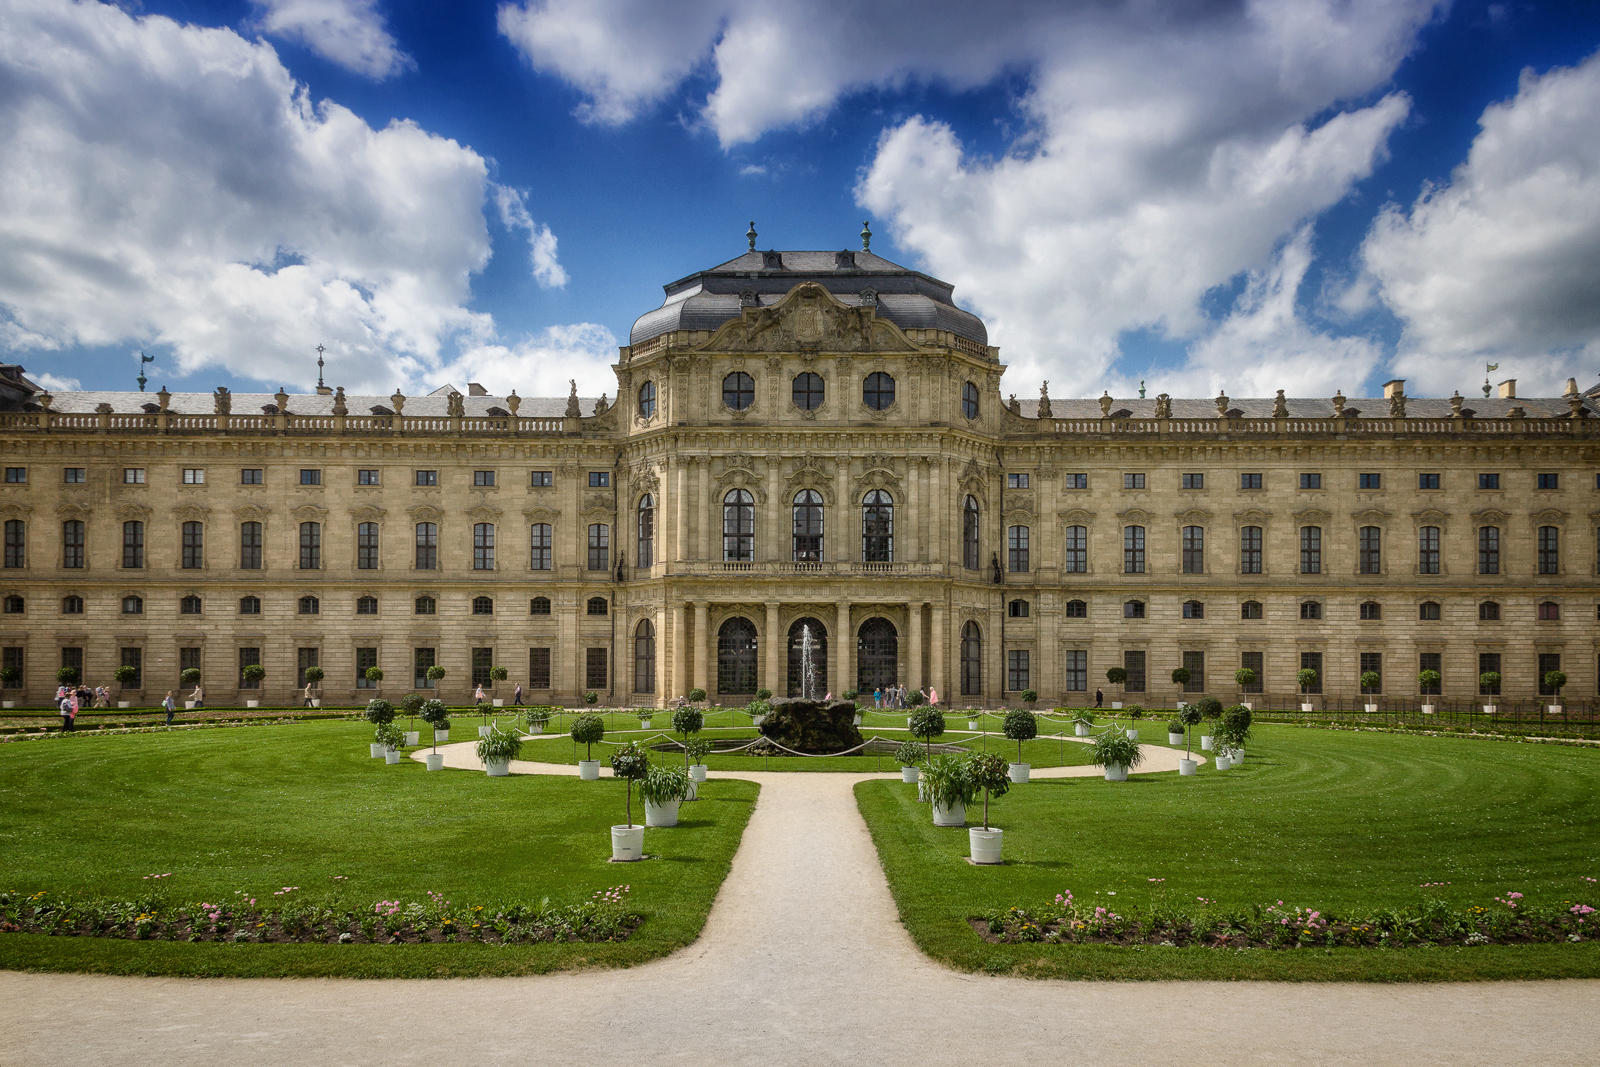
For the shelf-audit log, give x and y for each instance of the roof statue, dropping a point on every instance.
(573, 410)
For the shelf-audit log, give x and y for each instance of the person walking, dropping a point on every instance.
(171, 705)
(198, 696)
(308, 697)
(933, 697)
(1099, 698)
(877, 699)
(65, 706)
(478, 697)
(73, 704)
(516, 696)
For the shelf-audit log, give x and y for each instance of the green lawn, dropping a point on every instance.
(1331, 820)
(265, 807)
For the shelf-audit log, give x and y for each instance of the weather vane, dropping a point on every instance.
(1141, 388)
(320, 350)
(143, 359)
(1488, 369)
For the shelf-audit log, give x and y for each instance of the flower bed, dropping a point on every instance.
(285, 919)
(1507, 921)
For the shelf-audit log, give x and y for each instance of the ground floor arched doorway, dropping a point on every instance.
(877, 655)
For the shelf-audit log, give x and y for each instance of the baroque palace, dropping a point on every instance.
(801, 440)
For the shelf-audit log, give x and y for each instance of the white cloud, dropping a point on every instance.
(542, 365)
(57, 384)
(350, 33)
(513, 205)
(173, 186)
(1502, 264)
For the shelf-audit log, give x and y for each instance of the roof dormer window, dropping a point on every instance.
(772, 261)
(844, 261)
(869, 296)
(749, 299)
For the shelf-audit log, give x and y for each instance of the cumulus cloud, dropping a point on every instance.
(513, 205)
(350, 33)
(57, 384)
(541, 365)
(173, 186)
(1502, 263)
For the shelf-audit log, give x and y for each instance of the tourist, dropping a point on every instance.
(877, 698)
(171, 705)
(479, 697)
(516, 696)
(1099, 698)
(198, 696)
(65, 704)
(933, 697)
(308, 697)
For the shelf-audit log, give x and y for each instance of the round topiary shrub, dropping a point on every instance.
(412, 703)
(763, 694)
(379, 711)
(688, 721)
(926, 724)
(588, 730)
(189, 676)
(1021, 725)
(849, 694)
(696, 695)
(1210, 708)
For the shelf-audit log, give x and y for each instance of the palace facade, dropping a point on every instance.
(802, 440)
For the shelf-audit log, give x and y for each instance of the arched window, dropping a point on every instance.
(1310, 610)
(877, 655)
(1549, 611)
(738, 525)
(1075, 609)
(250, 546)
(970, 524)
(877, 392)
(808, 658)
(426, 605)
(1194, 550)
(1017, 609)
(539, 605)
(249, 605)
(131, 605)
(310, 546)
(647, 400)
(1489, 611)
(482, 605)
(539, 547)
(1428, 611)
(644, 657)
(1133, 550)
(310, 605)
(189, 605)
(1017, 549)
(16, 543)
(1133, 609)
(599, 546)
(73, 533)
(597, 605)
(1250, 550)
(1488, 550)
(877, 527)
(1428, 550)
(1549, 550)
(736, 656)
(644, 553)
(72, 605)
(1310, 550)
(1371, 611)
(1076, 560)
(367, 546)
(15, 605)
(194, 544)
(808, 391)
(1371, 540)
(1250, 609)
(132, 545)
(808, 526)
(738, 390)
(483, 546)
(1194, 609)
(969, 400)
(971, 660)
(366, 605)
(427, 546)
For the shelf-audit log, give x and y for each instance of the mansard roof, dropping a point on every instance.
(1362, 407)
(433, 405)
(908, 298)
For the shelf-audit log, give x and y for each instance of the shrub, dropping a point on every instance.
(412, 703)
(849, 694)
(1210, 708)
(1135, 711)
(1116, 675)
(1086, 716)
(1021, 725)
(663, 785)
(498, 674)
(908, 753)
(631, 764)
(434, 713)
(926, 723)
(1428, 679)
(688, 721)
(590, 698)
(314, 675)
(253, 673)
(538, 715)
(69, 675)
(1306, 677)
(379, 711)
(696, 695)
(1555, 680)
(949, 783)
(499, 745)
(1244, 676)
(1175, 726)
(1181, 676)
(763, 694)
(373, 674)
(697, 749)
(988, 773)
(588, 730)
(1189, 715)
(435, 673)
(1370, 680)
(1029, 696)
(389, 735)
(1116, 748)
(1488, 679)
(125, 673)
(189, 676)
(1235, 726)
(915, 699)
(10, 676)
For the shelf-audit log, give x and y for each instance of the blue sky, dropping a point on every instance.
(1201, 196)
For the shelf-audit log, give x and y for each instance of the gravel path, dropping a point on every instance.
(803, 961)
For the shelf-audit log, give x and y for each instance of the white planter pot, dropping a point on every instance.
(497, 768)
(697, 772)
(1237, 756)
(1553, 709)
(188, 705)
(857, 719)
(391, 755)
(536, 727)
(1116, 772)
(661, 814)
(1427, 709)
(1081, 729)
(8, 703)
(1182, 704)
(1224, 763)
(1372, 709)
(627, 843)
(1133, 735)
(1488, 709)
(124, 703)
(909, 774)
(1116, 703)
(644, 724)
(972, 724)
(922, 791)
(441, 736)
(483, 731)
(411, 738)
(1174, 739)
(1187, 767)
(589, 769)
(376, 750)
(956, 816)
(436, 761)
(316, 702)
(1205, 743)
(252, 703)
(694, 790)
(1305, 707)
(1249, 704)
(757, 720)
(1019, 772)
(984, 845)
(499, 702)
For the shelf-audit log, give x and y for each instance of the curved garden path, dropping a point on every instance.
(803, 961)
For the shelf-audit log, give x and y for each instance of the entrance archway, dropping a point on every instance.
(877, 655)
(736, 656)
(819, 658)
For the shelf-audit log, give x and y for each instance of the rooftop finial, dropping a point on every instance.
(750, 235)
(320, 350)
(866, 236)
(143, 359)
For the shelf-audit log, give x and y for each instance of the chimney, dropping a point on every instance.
(324, 390)
(1394, 388)
(474, 389)
(1508, 389)
(1572, 387)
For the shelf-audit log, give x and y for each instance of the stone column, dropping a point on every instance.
(843, 641)
(910, 549)
(700, 640)
(914, 665)
(774, 645)
(661, 656)
(697, 508)
(680, 650)
(938, 513)
(680, 500)
(994, 653)
(938, 659)
(772, 544)
(841, 546)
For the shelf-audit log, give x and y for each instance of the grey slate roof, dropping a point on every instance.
(312, 404)
(909, 299)
(1366, 407)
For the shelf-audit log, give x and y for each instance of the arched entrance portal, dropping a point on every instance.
(736, 656)
(819, 659)
(877, 653)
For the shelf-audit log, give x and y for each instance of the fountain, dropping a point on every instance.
(808, 672)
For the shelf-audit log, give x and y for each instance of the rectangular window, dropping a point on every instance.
(1427, 481)
(75, 475)
(188, 660)
(366, 477)
(1369, 481)
(1195, 664)
(538, 668)
(1254, 661)
(16, 475)
(1488, 550)
(193, 545)
(1077, 557)
(1016, 481)
(133, 476)
(250, 476)
(540, 540)
(1075, 672)
(1549, 550)
(1548, 661)
(427, 546)
(72, 538)
(1017, 669)
(482, 664)
(1192, 481)
(599, 479)
(1250, 550)
(1133, 481)
(250, 546)
(1430, 661)
(1133, 663)
(1311, 481)
(249, 657)
(1133, 609)
(365, 657)
(132, 545)
(1373, 662)
(1249, 481)
(594, 672)
(1194, 609)
(194, 476)
(543, 479)
(599, 547)
(134, 657)
(1074, 481)
(1133, 550)
(1194, 550)
(1312, 661)
(1549, 481)
(1371, 550)
(310, 546)
(1488, 663)
(1310, 610)
(1549, 611)
(73, 658)
(1429, 611)
(421, 660)
(12, 658)
(1250, 609)
(1017, 551)
(427, 477)
(483, 546)
(1488, 481)
(311, 477)
(1428, 550)
(16, 543)
(483, 479)
(1370, 611)
(1310, 550)
(367, 546)
(304, 658)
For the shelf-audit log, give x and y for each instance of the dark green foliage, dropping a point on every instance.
(1116, 675)
(1021, 725)
(926, 723)
(379, 711)
(763, 693)
(988, 773)
(688, 721)
(588, 730)
(697, 695)
(1210, 708)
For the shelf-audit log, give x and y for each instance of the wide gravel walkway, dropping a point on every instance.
(803, 961)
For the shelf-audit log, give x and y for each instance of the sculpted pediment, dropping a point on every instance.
(541, 514)
(190, 513)
(367, 513)
(739, 461)
(1311, 517)
(1136, 516)
(878, 461)
(1432, 516)
(250, 513)
(1370, 515)
(1252, 515)
(1193, 516)
(424, 513)
(1548, 516)
(1076, 516)
(809, 318)
(310, 513)
(132, 512)
(484, 513)
(1490, 516)
(73, 511)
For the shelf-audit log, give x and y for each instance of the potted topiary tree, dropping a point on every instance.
(987, 772)
(973, 720)
(411, 703)
(498, 750)
(631, 764)
(1555, 680)
(1020, 725)
(126, 675)
(685, 723)
(252, 675)
(1246, 677)
(908, 755)
(389, 738)
(9, 677)
(1210, 709)
(436, 715)
(1427, 680)
(1085, 719)
(1180, 678)
(1489, 680)
(1370, 680)
(591, 699)
(1029, 696)
(951, 789)
(67, 676)
(1234, 729)
(1189, 717)
(663, 789)
(1135, 713)
(1116, 676)
(915, 699)
(925, 724)
(1116, 752)
(498, 675)
(588, 730)
(696, 749)
(190, 677)
(646, 717)
(758, 710)
(1175, 731)
(696, 696)
(380, 713)
(314, 676)
(763, 694)
(1307, 677)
